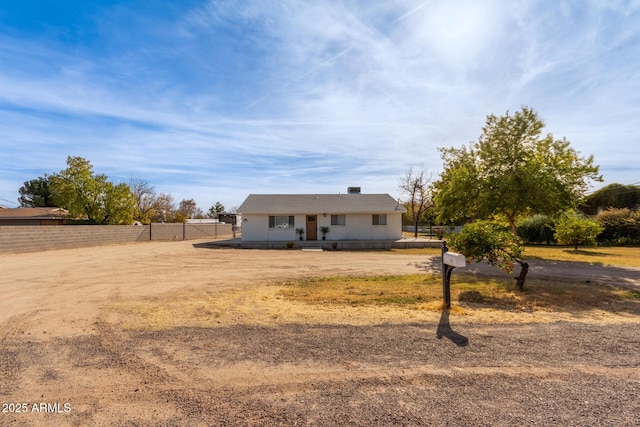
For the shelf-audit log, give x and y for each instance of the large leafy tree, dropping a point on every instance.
(118, 205)
(36, 193)
(416, 185)
(512, 170)
(85, 194)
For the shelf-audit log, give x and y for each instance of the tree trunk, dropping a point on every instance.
(415, 230)
(512, 223)
(523, 274)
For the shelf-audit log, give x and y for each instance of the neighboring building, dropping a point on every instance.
(351, 216)
(32, 216)
(229, 218)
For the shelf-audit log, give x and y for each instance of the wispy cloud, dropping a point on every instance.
(216, 100)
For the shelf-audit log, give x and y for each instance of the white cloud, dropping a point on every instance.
(292, 96)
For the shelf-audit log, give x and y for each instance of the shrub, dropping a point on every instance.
(619, 227)
(536, 229)
(488, 240)
(575, 229)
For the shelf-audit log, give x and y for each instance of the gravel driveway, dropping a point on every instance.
(62, 346)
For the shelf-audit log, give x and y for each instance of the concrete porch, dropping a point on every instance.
(329, 245)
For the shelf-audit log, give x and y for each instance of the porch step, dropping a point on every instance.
(312, 247)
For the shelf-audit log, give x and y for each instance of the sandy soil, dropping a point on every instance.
(71, 352)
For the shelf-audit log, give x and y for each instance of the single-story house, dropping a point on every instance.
(351, 216)
(32, 216)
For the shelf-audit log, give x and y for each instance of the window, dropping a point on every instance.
(281, 221)
(380, 219)
(338, 220)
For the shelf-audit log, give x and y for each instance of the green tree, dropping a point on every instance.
(573, 228)
(119, 204)
(512, 170)
(36, 193)
(85, 194)
(418, 189)
(493, 242)
(490, 241)
(215, 210)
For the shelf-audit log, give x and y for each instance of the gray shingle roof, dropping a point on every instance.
(319, 203)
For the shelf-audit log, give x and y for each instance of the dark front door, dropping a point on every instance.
(312, 227)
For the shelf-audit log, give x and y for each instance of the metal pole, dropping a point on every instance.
(446, 278)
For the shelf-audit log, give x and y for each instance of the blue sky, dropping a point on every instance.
(213, 100)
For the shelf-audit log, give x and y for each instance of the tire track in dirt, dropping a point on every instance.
(376, 375)
(562, 373)
(13, 354)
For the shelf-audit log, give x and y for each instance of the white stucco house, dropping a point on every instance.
(351, 216)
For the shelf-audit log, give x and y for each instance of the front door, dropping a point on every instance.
(312, 227)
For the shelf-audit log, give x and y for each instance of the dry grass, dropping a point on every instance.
(415, 290)
(419, 251)
(382, 299)
(354, 291)
(603, 255)
(262, 305)
(616, 256)
(397, 299)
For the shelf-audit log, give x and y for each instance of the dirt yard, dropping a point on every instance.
(180, 334)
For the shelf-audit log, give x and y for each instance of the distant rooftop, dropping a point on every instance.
(33, 213)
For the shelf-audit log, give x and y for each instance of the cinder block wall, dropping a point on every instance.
(172, 231)
(169, 231)
(46, 237)
(200, 231)
(15, 239)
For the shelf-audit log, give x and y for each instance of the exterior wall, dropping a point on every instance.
(255, 228)
(360, 227)
(336, 232)
(31, 239)
(394, 226)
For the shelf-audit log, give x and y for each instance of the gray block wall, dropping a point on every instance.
(14, 239)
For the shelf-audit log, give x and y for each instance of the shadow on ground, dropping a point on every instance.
(445, 330)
